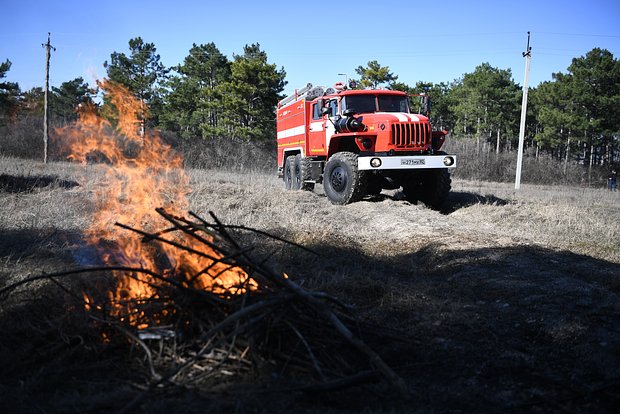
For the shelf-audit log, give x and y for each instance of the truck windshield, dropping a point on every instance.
(361, 104)
(391, 103)
(368, 103)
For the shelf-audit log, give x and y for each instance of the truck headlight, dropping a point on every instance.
(375, 162)
(448, 161)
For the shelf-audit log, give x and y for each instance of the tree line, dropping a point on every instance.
(207, 95)
(573, 117)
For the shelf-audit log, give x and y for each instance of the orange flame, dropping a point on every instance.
(142, 173)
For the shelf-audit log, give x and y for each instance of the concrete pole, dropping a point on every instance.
(47, 47)
(528, 56)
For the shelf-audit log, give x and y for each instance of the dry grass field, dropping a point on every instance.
(504, 302)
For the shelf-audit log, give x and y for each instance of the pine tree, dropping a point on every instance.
(485, 102)
(9, 95)
(581, 106)
(374, 75)
(251, 95)
(66, 99)
(193, 105)
(142, 73)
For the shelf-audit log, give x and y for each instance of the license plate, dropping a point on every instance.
(412, 161)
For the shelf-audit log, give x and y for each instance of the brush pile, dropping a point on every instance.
(264, 326)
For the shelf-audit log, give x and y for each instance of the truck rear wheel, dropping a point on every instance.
(342, 181)
(289, 165)
(296, 172)
(305, 173)
(430, 187)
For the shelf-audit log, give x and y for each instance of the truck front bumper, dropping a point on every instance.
(409, 162)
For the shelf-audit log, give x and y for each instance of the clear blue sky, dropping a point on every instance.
(433, 41)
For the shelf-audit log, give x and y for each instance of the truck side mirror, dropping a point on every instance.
(326, 110)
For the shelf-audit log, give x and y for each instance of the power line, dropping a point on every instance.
(578, 34)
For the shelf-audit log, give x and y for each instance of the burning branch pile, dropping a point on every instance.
(191, 335)
(263, 326)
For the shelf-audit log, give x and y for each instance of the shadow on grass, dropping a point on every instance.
(38, 243)
(21, 184)
(456, 200)
(507, 329)
(510, 329)
(460, 199)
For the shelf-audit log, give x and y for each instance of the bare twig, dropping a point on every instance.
(154, 375)
(222, 226)
(315, 363)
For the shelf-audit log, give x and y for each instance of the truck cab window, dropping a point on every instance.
(316, 111)
(333, 107)
(388, 103)
(362, 104)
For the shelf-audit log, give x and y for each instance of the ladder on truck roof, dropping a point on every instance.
(308, 92)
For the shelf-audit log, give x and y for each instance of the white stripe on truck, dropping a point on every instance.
(291, 132)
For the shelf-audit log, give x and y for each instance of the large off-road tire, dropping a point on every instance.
(305, 173)
(342, 181)
(430, 187)
(288, 171)
(295, 169)
(302, 173)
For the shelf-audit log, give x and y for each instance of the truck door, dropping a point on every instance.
(329, 123)
(316, 131)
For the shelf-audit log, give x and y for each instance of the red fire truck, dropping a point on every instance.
(359, 142)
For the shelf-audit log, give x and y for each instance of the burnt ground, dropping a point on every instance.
(473, 322)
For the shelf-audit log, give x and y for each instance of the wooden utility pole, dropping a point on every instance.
(48, 48)
(528, 56)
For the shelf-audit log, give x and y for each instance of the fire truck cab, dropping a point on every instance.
(358, 142)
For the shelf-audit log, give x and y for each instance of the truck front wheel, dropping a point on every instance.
(342, 181)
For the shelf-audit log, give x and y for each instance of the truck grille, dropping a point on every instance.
(406, 134)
